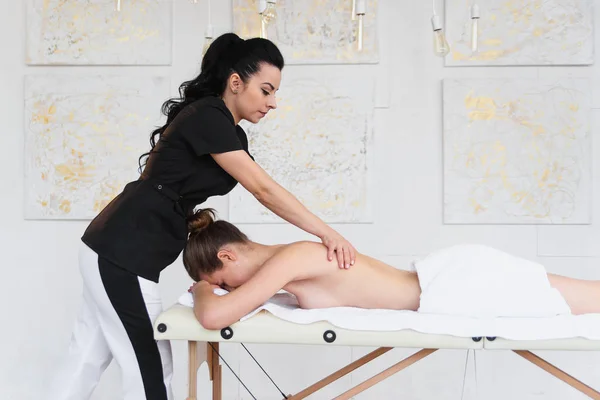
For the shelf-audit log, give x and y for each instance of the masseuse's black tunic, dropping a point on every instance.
(143, 229)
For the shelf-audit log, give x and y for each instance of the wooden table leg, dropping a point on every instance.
(214, 368)
(385, 374)
(339, 373)
(560, 374)
(196, 356)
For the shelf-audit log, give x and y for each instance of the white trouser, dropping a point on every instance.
(115, 322)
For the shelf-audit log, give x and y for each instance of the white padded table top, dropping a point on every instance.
(179, 323)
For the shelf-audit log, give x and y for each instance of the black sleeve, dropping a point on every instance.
(244, 140)
(208, 130)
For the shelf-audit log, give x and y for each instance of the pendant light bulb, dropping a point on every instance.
(474, 28)
(361, 9)
(440, 44)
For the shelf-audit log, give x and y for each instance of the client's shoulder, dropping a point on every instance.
(306, 257)
(301, 250)
(306, 247)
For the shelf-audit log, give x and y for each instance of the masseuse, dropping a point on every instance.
(201, 152)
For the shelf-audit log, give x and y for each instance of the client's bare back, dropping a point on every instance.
(369, 283)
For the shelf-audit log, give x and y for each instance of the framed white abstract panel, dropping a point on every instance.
(517, 151)
(313, 31)
(91, 32)
(83, 138)
(521, 32)
(316, 144)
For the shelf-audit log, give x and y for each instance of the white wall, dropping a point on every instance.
(41, 287)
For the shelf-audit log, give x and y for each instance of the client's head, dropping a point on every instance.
(216, 251)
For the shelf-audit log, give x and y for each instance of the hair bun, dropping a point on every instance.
(201, 220)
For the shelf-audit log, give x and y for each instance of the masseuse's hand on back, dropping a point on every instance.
(269, 193)
(344, 251)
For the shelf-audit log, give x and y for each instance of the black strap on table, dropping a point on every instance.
(238, 378)
(263, 370)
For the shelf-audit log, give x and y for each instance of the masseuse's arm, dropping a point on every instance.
(217, 312)
(276, 198)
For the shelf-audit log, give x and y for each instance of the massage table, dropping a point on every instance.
(179, 323)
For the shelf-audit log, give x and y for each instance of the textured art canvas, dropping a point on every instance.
(313, 31)
(91, 32)
(522, 32)
(83, 137)
(517, 151)
(316, 144)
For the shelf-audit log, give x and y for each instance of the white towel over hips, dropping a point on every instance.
(478, 281)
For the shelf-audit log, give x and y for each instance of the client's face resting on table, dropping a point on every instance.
(220, 254)
(239, 264)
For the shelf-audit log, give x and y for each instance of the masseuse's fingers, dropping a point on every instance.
(333, 248)
(340, 256)
(330, 249)
(347, 258)
(344, 252)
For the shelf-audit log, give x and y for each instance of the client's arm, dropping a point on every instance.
(217, 312)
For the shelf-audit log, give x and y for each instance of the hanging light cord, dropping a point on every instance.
(209, 14)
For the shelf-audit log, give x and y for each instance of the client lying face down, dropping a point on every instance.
(218, 254)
